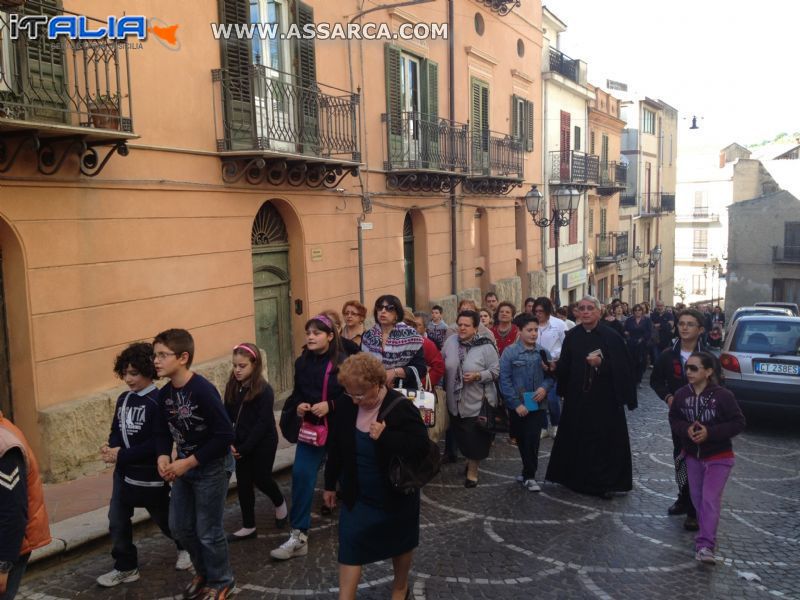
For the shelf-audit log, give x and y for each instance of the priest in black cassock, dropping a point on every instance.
(592, 452)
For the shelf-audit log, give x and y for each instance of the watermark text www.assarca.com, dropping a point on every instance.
(329, 31)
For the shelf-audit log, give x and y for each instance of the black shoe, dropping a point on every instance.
(325, 511)
(195, 588)
(238, 538)
(281, 523)
(678, 508)
(470, 483)
(449, 459)
(690, 524)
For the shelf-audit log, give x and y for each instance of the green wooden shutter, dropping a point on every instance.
(43, 73)
(479, 124)
(515, 132)
(528, 126)
(237, 80)
(307, 96)
(394, 110)
(430, 120)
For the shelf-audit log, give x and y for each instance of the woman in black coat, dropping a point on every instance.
(249, 400)
(376, 523)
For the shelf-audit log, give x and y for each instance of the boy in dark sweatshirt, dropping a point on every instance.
(132, 448)
(194, 415)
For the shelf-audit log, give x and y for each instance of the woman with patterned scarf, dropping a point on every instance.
(397, 345)
(471, 365)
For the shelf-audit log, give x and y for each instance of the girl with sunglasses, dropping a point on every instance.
(705, 416)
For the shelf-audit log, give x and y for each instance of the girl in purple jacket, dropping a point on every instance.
(705, 416)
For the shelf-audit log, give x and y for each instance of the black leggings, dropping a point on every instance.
(255, 471)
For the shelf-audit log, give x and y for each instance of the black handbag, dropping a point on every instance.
(289, 421)
(407, 476)
(492, 419)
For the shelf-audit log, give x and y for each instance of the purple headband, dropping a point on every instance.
(243, 347)
(324, 319)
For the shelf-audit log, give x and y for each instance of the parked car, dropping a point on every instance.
(756, 311)
(761, 361)
(790, 305)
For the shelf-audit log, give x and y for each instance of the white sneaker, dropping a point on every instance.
(296, 545)
(545, 433)
(532, 486)
(114, 577)
(184, 562)
(552, 431)
(706, 555)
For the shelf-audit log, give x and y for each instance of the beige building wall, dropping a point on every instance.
(159, 240)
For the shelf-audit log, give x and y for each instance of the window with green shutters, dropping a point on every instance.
(522, 121)
(479, 124)
(604, 150)
(306, 71)
(41, 63)
(236, 61)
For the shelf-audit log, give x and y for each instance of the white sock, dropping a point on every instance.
(244, 531)
(281, 511)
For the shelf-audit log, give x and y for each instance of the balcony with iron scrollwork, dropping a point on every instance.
(501, 7)
(611, 247)
(564, 65)
(62, 102)
(424, 153)
(496, 163)
(573, 168)
(274, 129)
(612, 179)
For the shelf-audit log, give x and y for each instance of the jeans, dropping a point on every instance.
(195, 519)
(121, 529)
(307, 460)
(707, 479)
(15, 577)
(255, 471)
(553, 409)
(528, 428)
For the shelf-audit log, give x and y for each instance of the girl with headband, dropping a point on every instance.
(314, 398)
(249, 400)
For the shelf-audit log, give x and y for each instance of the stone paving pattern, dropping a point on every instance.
(500, 541)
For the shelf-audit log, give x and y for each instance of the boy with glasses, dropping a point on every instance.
(668, 376)
(194, 418)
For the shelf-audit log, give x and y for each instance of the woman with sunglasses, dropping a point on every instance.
(397, 345)
(705, 416)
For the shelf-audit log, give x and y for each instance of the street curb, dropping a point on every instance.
(77, 531)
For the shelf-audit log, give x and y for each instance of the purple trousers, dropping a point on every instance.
(707, 479)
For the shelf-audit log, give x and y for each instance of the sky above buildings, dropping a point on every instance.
(731, 63)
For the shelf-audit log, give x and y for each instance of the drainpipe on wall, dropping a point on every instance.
(451, 77)
(546, 186)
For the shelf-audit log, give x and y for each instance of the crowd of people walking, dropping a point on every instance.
(568, 373)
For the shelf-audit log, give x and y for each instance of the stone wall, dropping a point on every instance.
(537, 284)
(73, 432)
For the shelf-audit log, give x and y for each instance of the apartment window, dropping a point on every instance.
(591, 142)
(603, 220)
(700, 204)
(700, 245)
(591, 221)
(791, 240)
(577, 138)
(603, 150)
(573, 227)
(648, 121)
(522, 121)
(698, 284)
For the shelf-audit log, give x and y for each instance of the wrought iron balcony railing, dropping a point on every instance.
(418, 142)
(268, 110)
(667, 203)
(573, 167)
(627, 200)
(786, 254)
(698, 216)
(613, 174)
(563, 64)
(611, 246)
(63, 82)
(495, 154)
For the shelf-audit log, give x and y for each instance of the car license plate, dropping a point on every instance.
(777, 368)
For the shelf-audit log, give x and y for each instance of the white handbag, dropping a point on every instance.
(422, 397)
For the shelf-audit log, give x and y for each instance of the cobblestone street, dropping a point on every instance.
(500, 541)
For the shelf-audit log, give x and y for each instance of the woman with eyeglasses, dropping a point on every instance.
(472, 366)
(376, 523)
(354, 314)
(398, 346)
(316, 395)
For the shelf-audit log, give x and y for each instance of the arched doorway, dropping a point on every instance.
(5, 365)
(408, 261)
(271, 289)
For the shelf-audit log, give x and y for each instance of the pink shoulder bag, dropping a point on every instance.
(317, 434)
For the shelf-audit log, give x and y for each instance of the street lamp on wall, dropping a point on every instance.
(564, 201)
(653, 256)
